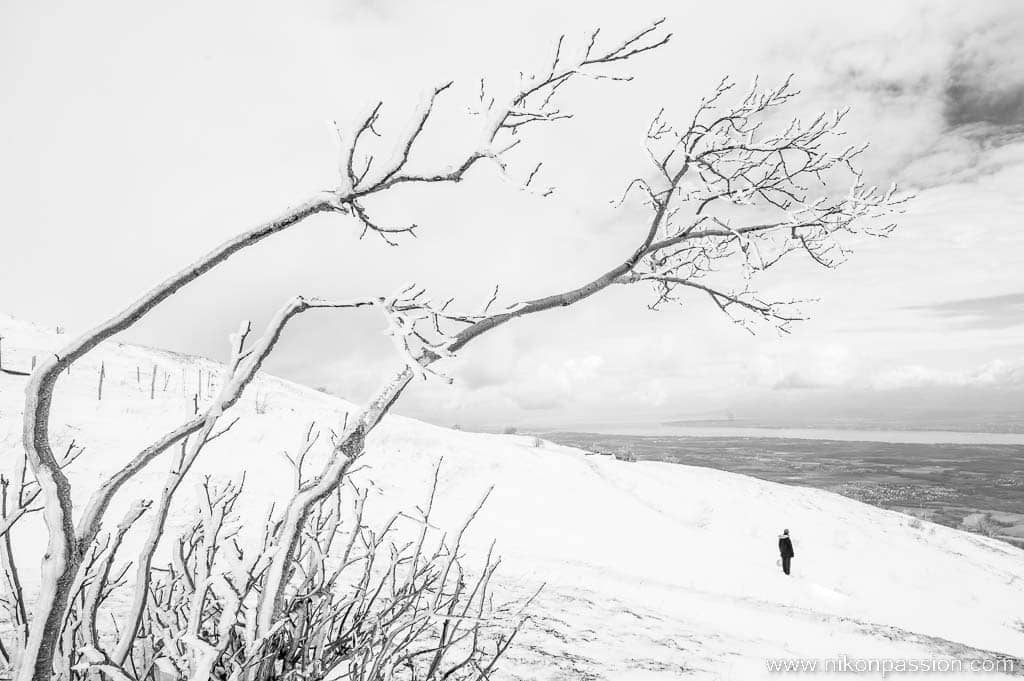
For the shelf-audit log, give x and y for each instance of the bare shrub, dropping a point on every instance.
(986, 526)
(360, 603)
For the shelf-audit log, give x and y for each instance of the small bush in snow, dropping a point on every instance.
(360, 604)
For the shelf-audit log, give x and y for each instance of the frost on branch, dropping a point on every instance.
(739, 189)
(420, 331)
(502, 121)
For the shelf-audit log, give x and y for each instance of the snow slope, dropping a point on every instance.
(653, 571)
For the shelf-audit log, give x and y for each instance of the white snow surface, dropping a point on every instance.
(654, 571)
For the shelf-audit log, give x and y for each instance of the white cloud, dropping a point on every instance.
(257, 143)
(820, 367)
(835, 368)
(998, 374)
(548, 386)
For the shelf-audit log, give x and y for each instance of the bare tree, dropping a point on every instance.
(727, 163)
(731, 193)
(362, 177)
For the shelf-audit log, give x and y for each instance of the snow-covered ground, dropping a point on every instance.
(654, 571)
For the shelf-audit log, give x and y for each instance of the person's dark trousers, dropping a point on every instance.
(785, 564)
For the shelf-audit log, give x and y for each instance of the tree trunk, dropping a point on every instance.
(63, 553)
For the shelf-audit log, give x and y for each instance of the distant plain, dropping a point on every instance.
(977, 487)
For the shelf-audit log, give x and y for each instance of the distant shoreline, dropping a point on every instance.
(824, 434)
(1007, 425)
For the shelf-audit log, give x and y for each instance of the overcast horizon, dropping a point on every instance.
(136, 138)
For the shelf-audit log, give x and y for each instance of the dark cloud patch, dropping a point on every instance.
(990, 312)
(970, 99)
(984, 86)
(889, 88)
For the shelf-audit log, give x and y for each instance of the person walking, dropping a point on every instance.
(786, 549)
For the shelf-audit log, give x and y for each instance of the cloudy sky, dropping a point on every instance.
(135, 135)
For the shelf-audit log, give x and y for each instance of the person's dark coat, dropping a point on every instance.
(786, 546)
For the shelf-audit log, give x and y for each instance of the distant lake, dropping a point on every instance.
(838, 434)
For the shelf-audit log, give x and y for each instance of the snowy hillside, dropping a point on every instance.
(654, 571)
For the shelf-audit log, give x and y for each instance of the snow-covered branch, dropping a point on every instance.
(734, 162)
(503, 120)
